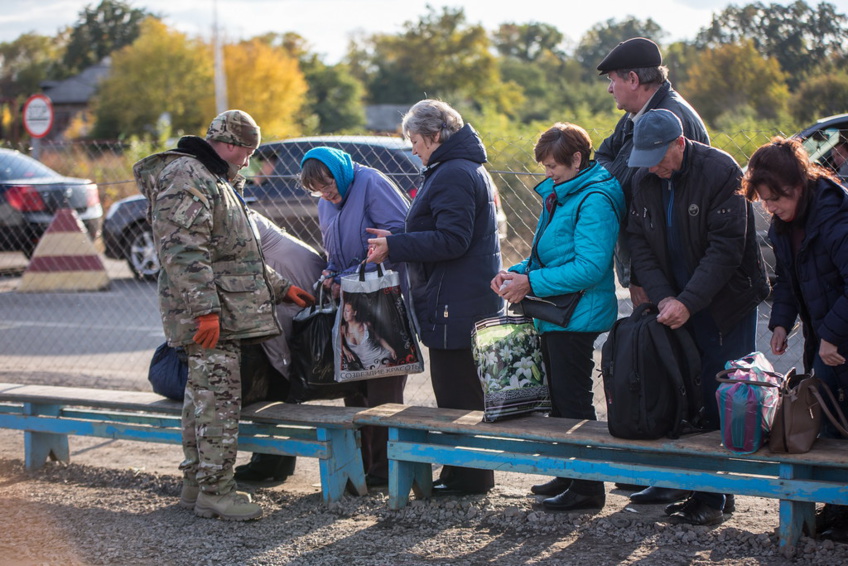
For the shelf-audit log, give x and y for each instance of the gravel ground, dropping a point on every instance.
(116, 505)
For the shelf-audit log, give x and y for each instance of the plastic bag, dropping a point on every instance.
(168, 372)
(373, 334)
(747, 399)
(312, 340)
(508, 354)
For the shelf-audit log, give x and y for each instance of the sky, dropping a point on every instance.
(328, 25)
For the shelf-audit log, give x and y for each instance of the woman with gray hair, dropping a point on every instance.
(451, 247)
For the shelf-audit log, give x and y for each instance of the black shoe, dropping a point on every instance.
(697, 512)
(569, 501)
(836, 533)
(553, 487)
(265, 467)
(659, 495)
(375, 481)
(631, 487)
(729, 505)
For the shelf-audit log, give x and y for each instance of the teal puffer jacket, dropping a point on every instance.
(574, 251)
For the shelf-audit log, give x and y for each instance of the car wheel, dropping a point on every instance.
(141, 252)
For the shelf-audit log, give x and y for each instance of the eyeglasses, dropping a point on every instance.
(321, 190)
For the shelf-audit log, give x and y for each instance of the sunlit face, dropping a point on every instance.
(672, 160)
(238, 155)
(423, 146)
(623, 90)
(560, 172)
(784, 207)
(327, 190)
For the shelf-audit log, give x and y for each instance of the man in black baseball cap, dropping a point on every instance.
(703, 268)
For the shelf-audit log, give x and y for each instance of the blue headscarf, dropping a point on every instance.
(337, 161)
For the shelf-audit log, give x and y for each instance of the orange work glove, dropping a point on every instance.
(299, 297)
(208, 330)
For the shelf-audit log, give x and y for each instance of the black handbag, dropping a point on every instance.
(556, 309)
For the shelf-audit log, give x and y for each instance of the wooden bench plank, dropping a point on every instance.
(49, 414)
(827, 452)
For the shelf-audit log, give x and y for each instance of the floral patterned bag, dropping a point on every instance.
(508, 354)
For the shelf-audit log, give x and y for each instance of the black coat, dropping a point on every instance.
(814, 285)
(716, 226)
(451, 243)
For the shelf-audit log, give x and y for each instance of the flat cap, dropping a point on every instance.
(235, 127)
(634, 53)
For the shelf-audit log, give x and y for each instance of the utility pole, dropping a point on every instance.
(221, 103)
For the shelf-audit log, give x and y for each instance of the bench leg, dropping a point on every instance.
(344, 464)
(796, 517)
(39, 446)
(407, 476)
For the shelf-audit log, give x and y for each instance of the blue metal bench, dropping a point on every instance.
(49, 414)
(421, 436)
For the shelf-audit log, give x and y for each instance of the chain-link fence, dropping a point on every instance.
(111, 334)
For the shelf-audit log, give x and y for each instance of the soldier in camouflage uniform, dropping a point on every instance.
(215, 291)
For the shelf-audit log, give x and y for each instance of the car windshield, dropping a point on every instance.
(14, 166)
(820, 142)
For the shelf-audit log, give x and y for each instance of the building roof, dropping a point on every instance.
(80, 88)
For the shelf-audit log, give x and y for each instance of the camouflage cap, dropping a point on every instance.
(235, 127)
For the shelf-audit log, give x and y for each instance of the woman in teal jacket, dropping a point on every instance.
(572, 251)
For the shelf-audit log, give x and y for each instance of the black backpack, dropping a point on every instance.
(652, 378)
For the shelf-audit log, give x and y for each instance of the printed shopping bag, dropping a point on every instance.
(508, 354)
(747, 399)
(373, 334)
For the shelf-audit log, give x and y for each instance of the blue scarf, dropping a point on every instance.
(337, 161)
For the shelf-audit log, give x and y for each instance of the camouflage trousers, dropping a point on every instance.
(210, 417)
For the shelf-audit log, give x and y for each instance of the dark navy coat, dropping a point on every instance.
(813, 286)
(451, 243)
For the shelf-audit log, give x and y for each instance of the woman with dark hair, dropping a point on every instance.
(450, 243)
(809, 233)
(572, 251)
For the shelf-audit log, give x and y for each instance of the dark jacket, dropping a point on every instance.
(615, 150)
(813, 285)
(451, 243)
(716, 227)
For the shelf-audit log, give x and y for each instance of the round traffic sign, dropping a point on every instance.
(38, 115)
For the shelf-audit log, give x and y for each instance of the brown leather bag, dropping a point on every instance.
(799, 414)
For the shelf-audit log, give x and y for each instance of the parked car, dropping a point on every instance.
(819, 140)
(30, 195)
(273, 189)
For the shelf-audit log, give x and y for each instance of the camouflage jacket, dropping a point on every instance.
(209, 249)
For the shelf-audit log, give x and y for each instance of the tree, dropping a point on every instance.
(26, 62)
(730, 78)
(140, 89)
(334, 99)
(267, 83)
(599, 40)
(821, 96)
(100, 31)
(440, 56)
(528, 42)
(797, 35)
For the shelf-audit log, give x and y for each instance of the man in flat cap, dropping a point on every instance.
(694, 246)
(639, 82)
(215, 290)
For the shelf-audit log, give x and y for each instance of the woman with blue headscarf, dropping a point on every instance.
(355, 197)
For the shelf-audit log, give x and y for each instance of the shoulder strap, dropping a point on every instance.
(534, 252)
(839, 422)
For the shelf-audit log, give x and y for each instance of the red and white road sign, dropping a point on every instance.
(38, 115)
